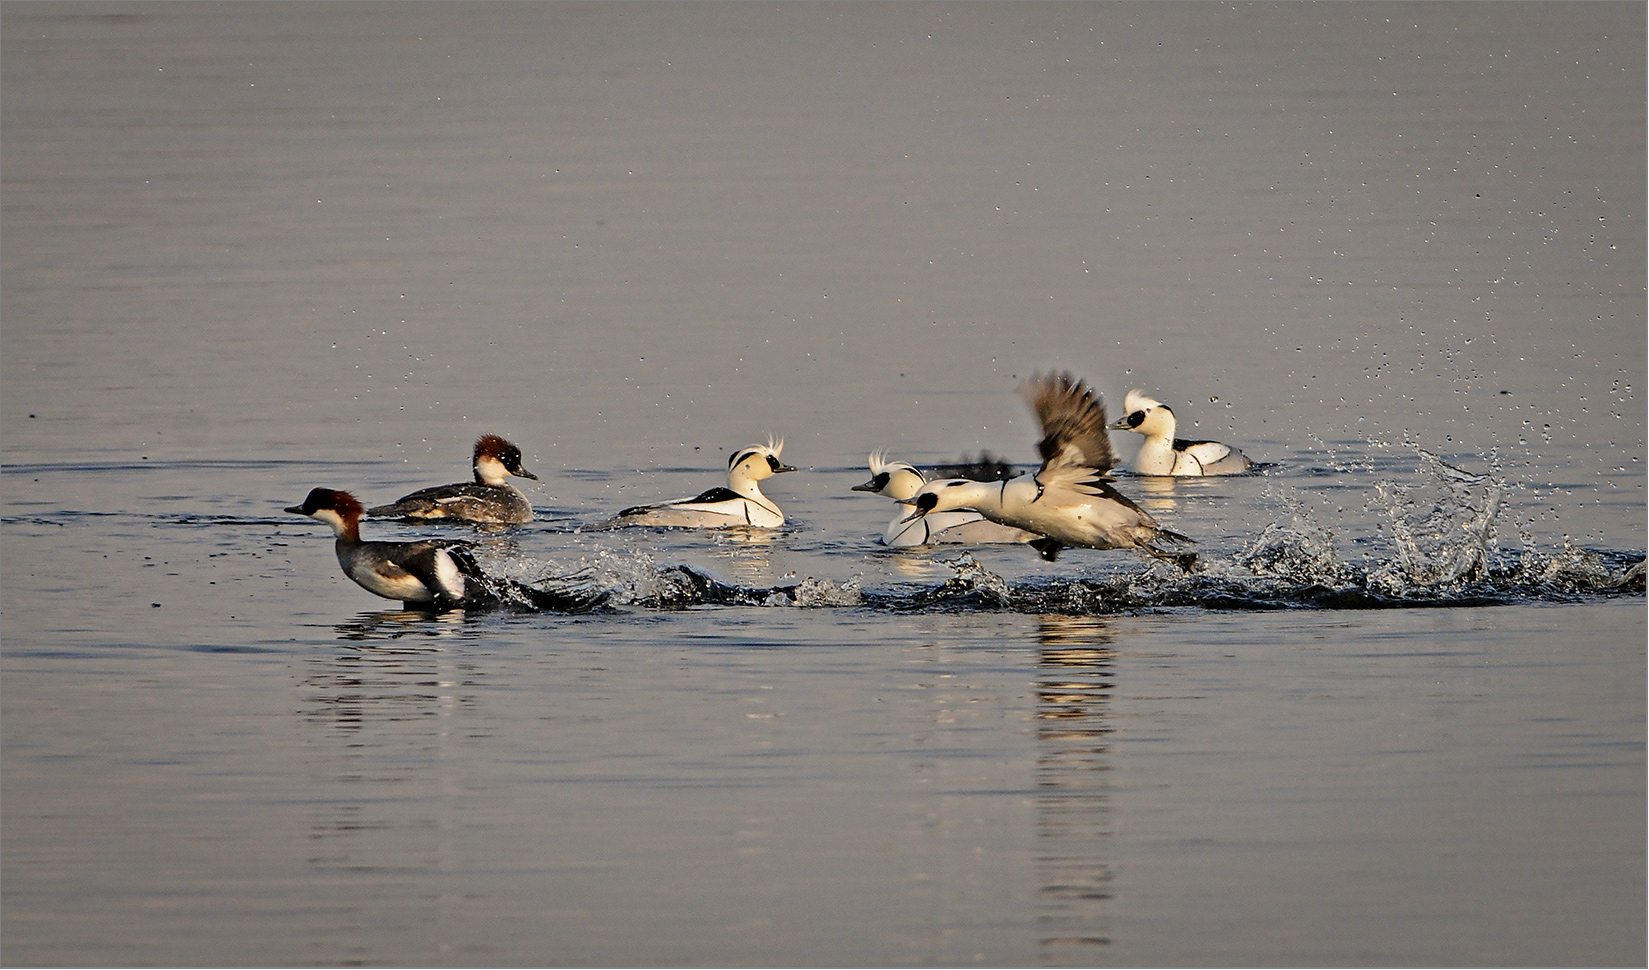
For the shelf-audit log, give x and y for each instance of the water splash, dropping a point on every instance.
(1442, 526)
(1439, 549)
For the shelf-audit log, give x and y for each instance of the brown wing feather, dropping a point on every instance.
(1072, 417)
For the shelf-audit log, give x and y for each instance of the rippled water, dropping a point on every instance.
(1396, 253)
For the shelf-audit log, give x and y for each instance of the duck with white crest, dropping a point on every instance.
(1164, 454)
(490, 499)
(1068, 501)
(739, 503)
(899, 480)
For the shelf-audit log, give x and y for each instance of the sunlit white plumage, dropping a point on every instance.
(898, 480)
(416, 573)
(1163, 454)
(489, 499)
(739, 503)
(1067, 501)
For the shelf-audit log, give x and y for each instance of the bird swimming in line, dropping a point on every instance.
(738, 503)
(1164, 454)
(1067, 501)
(898, 480)
(490, 499)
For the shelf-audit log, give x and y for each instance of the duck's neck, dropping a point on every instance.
(348, 530)
(490, 471)
(747, 487)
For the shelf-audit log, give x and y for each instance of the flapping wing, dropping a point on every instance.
(1073, 422)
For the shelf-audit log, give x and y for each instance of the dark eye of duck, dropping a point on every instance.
(1136, 419)
(881, 480)
(926, 501)
(772, 463)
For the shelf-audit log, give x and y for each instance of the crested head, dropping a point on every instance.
(896, 479)
(773, 447)
(343, 503)
(492, 451)
(757, 461)
(1137, 401)
(1145, 415)
(341, 510)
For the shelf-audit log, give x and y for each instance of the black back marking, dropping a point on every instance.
(720, 493)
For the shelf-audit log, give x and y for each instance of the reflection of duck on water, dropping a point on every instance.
(1074, 684)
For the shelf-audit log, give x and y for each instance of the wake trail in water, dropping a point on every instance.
(1440, 550)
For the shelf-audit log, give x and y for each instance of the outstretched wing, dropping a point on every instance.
(1073, 422)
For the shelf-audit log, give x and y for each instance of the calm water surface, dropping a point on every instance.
(1394, 252)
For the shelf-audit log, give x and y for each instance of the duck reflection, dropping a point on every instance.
(1154, 493)
(380, 715)
(750, 554)
(1074, 685)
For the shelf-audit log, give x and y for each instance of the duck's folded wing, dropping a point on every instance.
(444, 569)
(435, 499)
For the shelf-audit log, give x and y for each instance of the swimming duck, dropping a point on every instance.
(898, 480)
(1164, 454)
(489, 499)
(442, 574)
(739, 503)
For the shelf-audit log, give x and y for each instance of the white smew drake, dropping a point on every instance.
(1067, 501)
(1164, 454)
(898, 480)
(739, 503)
(488, 499)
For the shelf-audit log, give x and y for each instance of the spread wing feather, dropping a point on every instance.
(1073, 422)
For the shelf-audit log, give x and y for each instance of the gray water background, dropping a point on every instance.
(250, 249)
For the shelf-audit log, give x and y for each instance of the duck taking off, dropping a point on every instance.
(1164, 454)
(739, 503)
(489, 499)
(898, 480)
(1067, 501)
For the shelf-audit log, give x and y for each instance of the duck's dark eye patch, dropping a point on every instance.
(926, 501)
(881, 480)
(1136, 419)
(772, 463)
